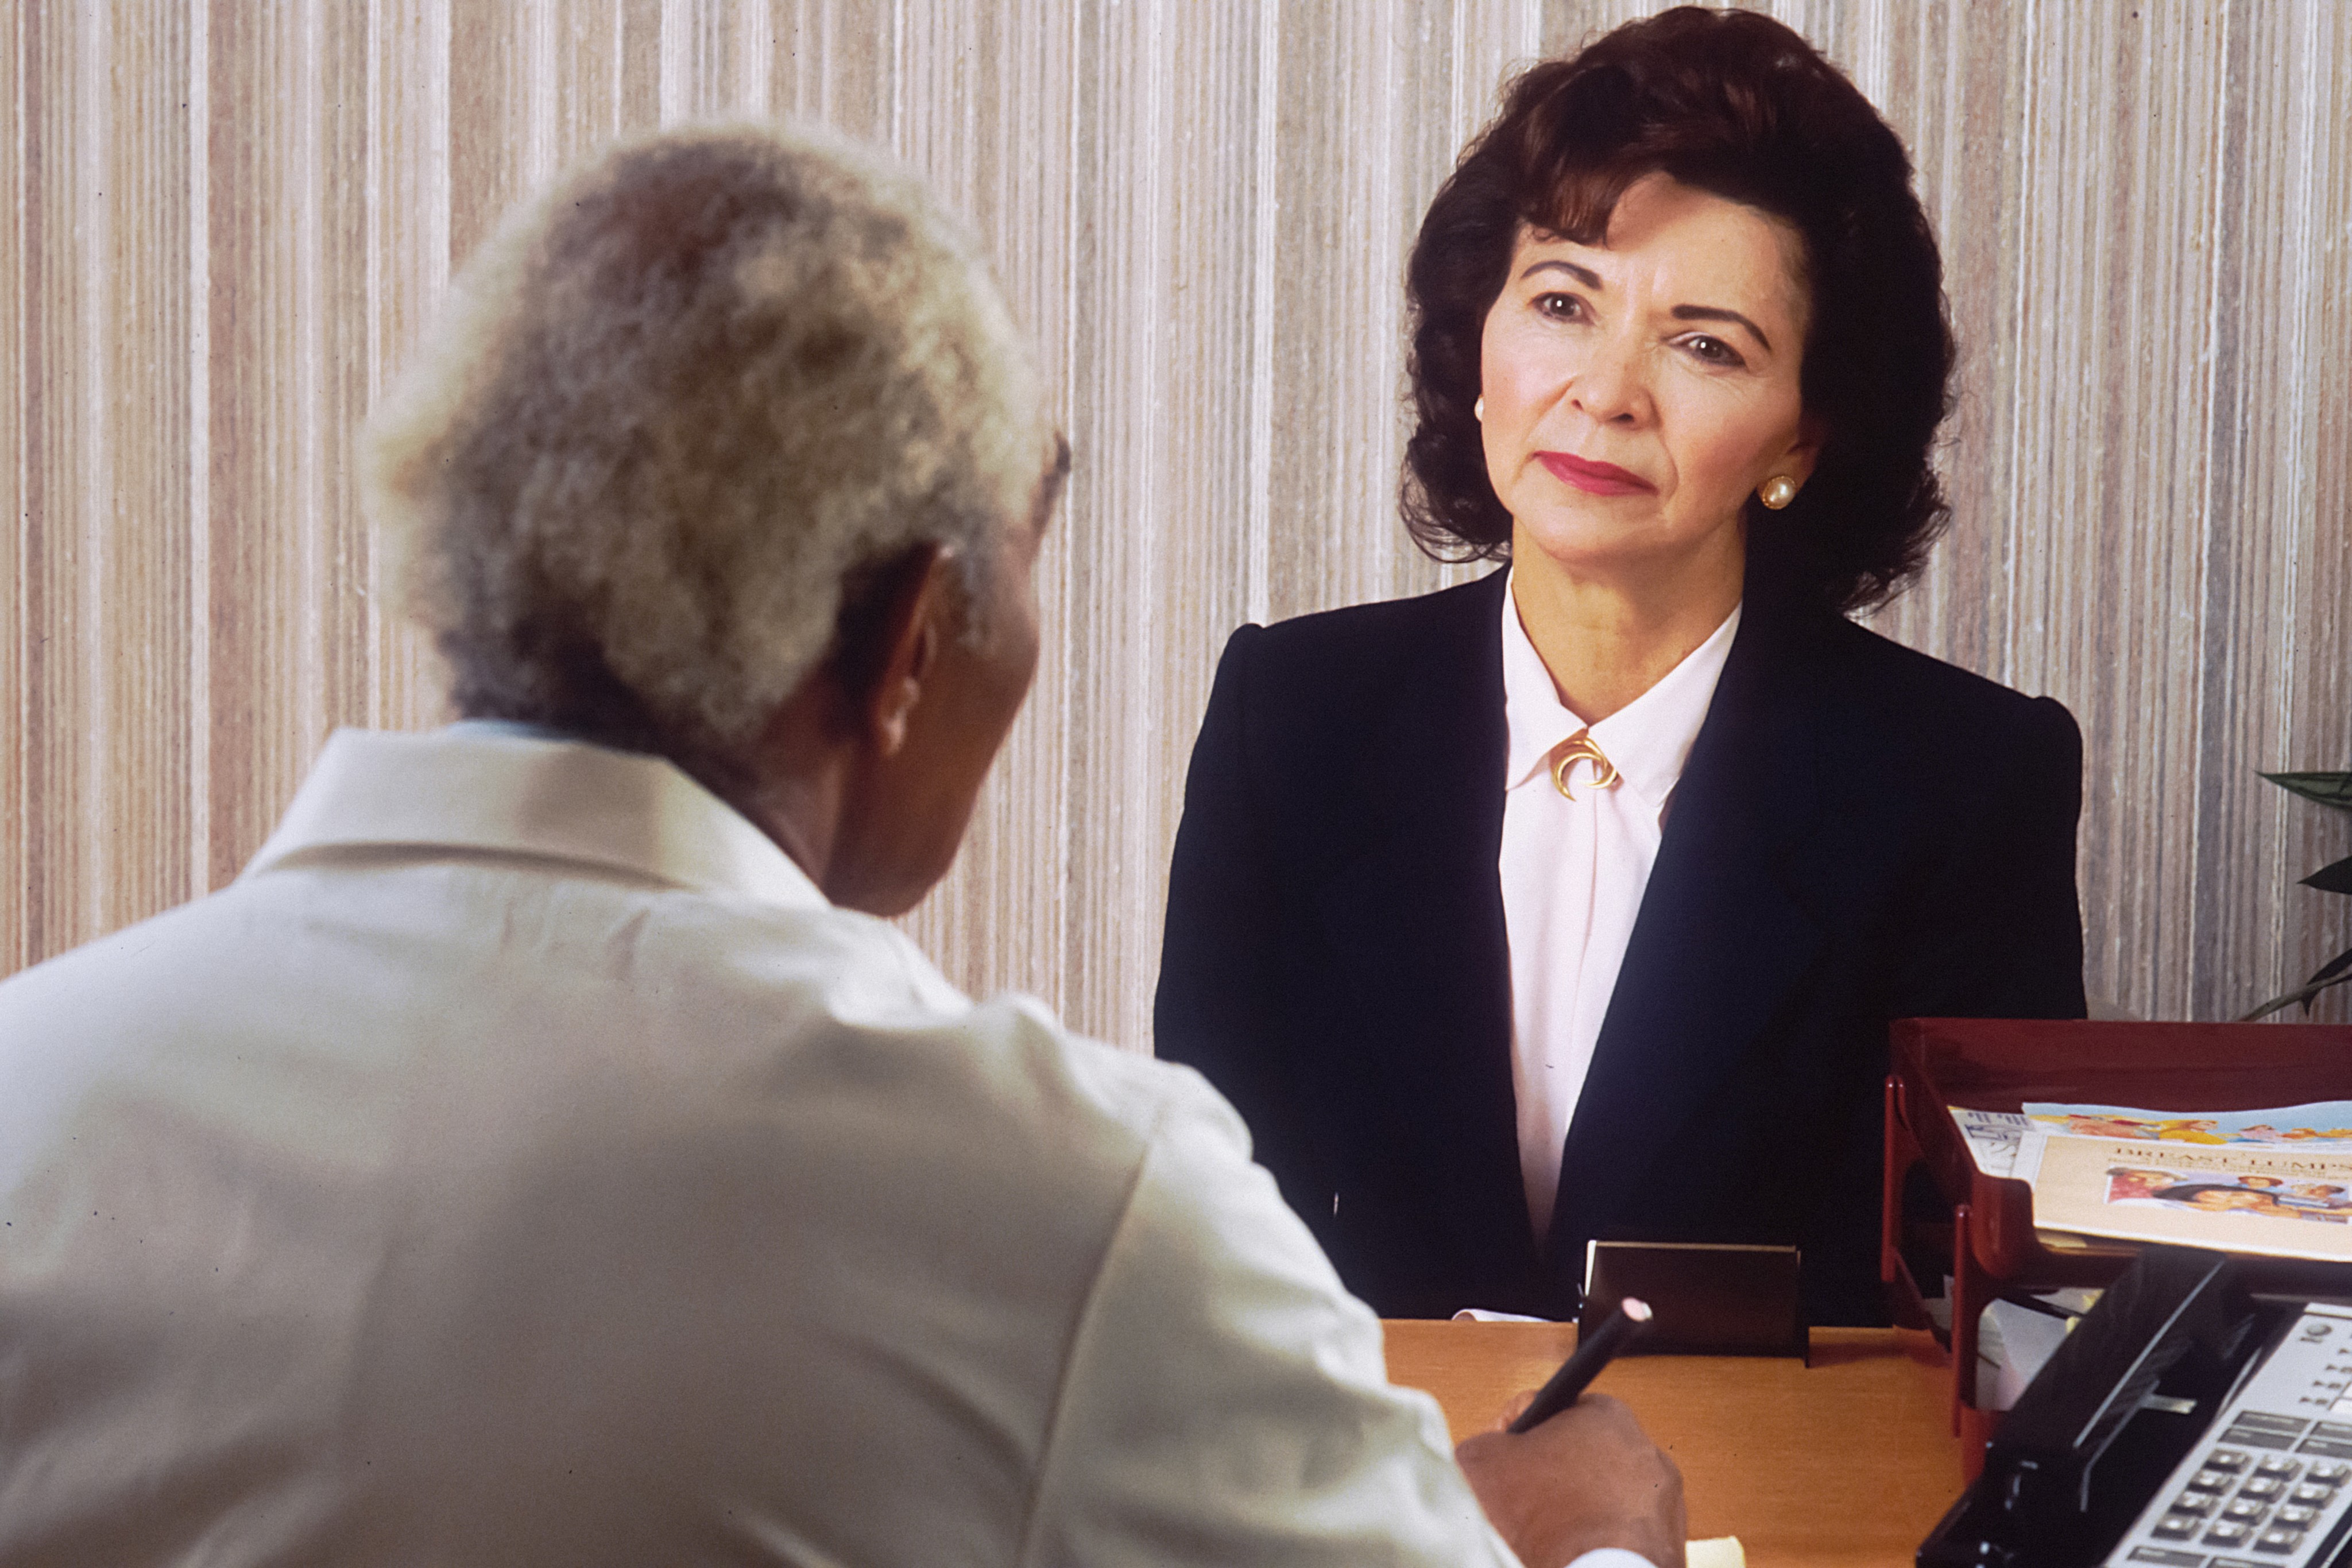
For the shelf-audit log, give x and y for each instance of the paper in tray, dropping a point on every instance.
(2241, 1197)
(1993, 1137)
(2322, 1124)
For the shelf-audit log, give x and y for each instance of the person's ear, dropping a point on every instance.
(1804, 452)
(918, 619)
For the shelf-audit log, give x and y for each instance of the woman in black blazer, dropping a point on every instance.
(1679, 354)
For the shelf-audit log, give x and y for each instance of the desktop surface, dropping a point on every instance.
(1847, 1463)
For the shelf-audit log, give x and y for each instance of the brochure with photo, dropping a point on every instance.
(2282, 1201)
(2323, 1124)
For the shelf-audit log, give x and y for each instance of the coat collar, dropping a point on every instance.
(488, 790)
(1414, 915)
(1727, 925)
(1647, 741)
(1433, 779)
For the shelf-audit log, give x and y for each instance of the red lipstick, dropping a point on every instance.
(1593, 479)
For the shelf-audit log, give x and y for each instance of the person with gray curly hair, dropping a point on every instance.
(542, 1155)
(693, 415)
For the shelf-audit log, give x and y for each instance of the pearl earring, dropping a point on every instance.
(1478, 408)
(1778, 491)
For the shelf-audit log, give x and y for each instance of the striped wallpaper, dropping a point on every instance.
(223, 223)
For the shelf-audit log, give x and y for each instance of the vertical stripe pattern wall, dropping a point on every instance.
(226, 224)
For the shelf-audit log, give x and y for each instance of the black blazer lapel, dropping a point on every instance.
(1724, 930)
(1415, 922)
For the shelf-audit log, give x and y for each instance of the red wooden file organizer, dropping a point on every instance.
(1998, 1065)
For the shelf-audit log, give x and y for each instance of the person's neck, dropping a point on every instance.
(788, 782)
(801, 814)
(1606, 640)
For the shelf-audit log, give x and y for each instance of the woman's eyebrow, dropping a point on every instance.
(1584, 275)
(1592, 279)
(1710, 313)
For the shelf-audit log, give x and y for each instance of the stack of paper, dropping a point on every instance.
(2275, 1181)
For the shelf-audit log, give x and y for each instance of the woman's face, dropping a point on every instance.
(1639, 390)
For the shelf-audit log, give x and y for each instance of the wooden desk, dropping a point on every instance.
(1845, 1464)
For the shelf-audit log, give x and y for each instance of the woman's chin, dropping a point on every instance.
(1598, 554)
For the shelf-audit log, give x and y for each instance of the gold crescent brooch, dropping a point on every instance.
(1578, 747)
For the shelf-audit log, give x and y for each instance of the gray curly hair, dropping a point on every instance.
(678, 401)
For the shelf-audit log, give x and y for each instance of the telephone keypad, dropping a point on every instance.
(2272, 1490)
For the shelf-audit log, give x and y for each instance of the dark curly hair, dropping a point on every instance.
(1733, 103)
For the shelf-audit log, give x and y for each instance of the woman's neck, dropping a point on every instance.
(1607, 641)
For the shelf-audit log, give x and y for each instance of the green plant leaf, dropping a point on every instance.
(2337, 878)
(2337, 971)
(2327, 789)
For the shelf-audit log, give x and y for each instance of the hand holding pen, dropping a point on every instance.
(1625, 1491)
(1593, 1351)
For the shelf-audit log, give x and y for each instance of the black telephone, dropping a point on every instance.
(2184, 1423)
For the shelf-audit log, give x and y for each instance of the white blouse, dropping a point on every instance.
(1573, 872)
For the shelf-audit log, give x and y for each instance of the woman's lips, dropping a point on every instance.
(1593, 479)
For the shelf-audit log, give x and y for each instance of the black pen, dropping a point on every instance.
(1592, 1353)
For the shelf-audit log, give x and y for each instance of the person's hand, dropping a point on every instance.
(1586, 1479)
